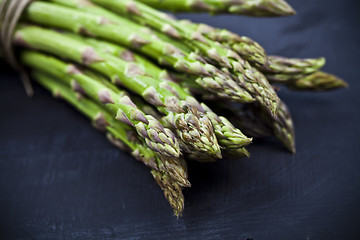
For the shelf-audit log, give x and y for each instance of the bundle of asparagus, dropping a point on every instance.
(141, 76)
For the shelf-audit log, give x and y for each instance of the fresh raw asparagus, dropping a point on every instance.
(94, 74)
(190, 125)
(258, 8)
(121, 136)
(137, 37)
(247, 77)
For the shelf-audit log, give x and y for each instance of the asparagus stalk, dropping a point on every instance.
(228, 136)
(255, 8)
(283, 65)
(132, 35)
(316, 82)
(189, 124)
(121, 136)
(247, 77)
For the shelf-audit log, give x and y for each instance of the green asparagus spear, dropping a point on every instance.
(255, 8)
(121, 136)
(317, 82)
(247, 77)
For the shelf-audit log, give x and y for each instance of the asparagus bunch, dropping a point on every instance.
(191, 126)
(260, 8)
(136, 73)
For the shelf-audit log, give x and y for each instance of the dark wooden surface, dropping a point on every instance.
(60, 179)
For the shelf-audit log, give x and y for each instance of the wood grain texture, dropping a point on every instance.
(60, 179)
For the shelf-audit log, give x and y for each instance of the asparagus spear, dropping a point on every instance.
(317, 81)
(127, 33)
(283, 65)
(188, 122)
(228, 136)
(121, 136)
(247, 77)
(259, 8)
